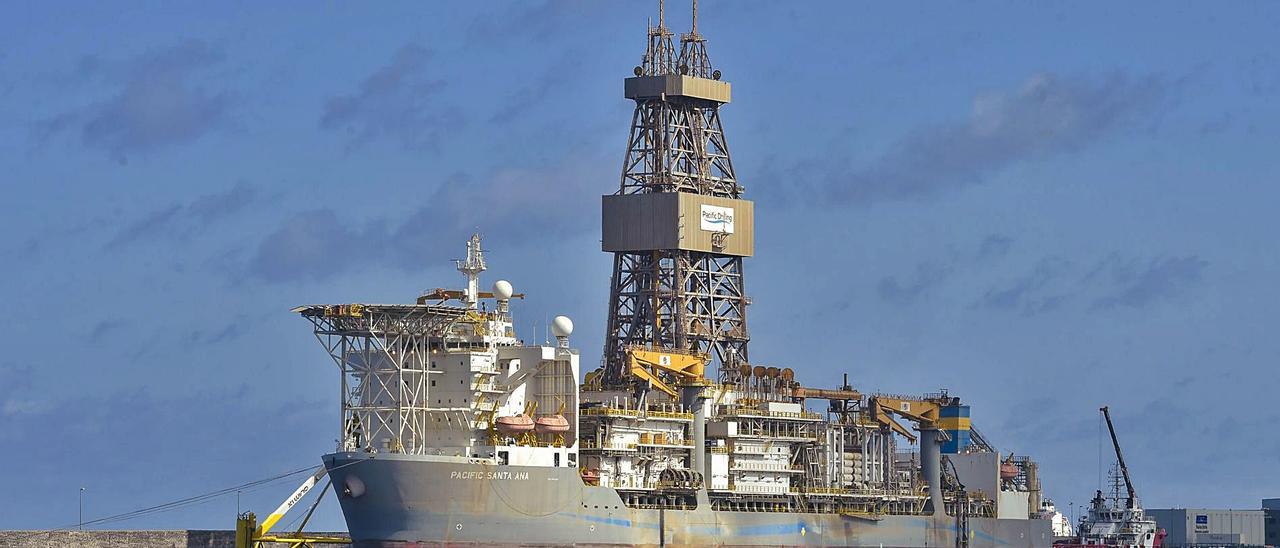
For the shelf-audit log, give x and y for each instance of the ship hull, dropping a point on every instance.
(416, 501)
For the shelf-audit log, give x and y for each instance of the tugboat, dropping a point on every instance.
(1108, 524)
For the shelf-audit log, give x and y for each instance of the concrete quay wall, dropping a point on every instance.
(124, 539)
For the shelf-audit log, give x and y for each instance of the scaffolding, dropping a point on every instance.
(383, 353)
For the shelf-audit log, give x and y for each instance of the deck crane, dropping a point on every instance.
(925, 412)
(663, 369)
(1124, 470)
(249, 534)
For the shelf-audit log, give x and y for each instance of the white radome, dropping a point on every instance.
(502, 289)
(562, 326)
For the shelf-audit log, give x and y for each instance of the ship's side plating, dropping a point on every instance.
(402, 500)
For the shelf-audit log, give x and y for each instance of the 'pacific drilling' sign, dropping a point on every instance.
(717, 219)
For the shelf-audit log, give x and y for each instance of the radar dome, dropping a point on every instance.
(562, 326)
(502, 289)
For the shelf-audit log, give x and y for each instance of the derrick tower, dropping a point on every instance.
(678, 227)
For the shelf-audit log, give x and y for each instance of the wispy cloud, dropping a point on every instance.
(994, 246)
(1139, 285)
(183, 218)
(158, 101)
(106, 327)
(524, 99)
(1046, 115)
(907, 289)
(1114, 281)
(150, 224)
(314, 245)
(399, 101)
(1026, 292)
(539, 21)
(519, 203)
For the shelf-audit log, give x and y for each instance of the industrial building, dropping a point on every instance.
(1203, 527)
(1271, 519)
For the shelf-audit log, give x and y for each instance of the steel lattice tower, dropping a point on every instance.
(677, 225)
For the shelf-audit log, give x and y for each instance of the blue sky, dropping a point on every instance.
(1041, 207)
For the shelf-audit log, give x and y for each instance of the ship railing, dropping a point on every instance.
(669, 415)
(669, 443)
(611, 412)
(614, 446)
(635, 413)
(764, 467)
(761, 413)
(820, 491)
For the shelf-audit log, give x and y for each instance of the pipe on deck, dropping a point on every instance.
(931, 466)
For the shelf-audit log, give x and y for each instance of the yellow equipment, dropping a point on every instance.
(251, 535)
(662, 369)
(922, 411)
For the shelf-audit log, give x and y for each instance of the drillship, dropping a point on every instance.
(455, 431)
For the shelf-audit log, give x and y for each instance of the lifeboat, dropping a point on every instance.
(551, 424)
(590, 476)
(1008, 471)
(517, 424)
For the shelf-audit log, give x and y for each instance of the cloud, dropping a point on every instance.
(397, 101)
(105, 428)
(104, 328)
(158, 102)
(1046, 115)
(181, 219)
(994, 246)
(516, 204)
(1138, 286)
(229, 332)
(213, 207)
(524, 99)
(926, 276)
(149, 225)
(1113, 281)
(538, 22)
(15, 391)
(314, 245)
(1025, 292)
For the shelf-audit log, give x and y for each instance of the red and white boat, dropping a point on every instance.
(1111, 524)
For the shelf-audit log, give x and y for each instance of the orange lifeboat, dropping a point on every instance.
(517, 424)
(1008, 471)
(551, 424)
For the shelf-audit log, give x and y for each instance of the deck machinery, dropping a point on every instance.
(455, 430)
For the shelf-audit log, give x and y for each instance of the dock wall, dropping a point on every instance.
(124, 539)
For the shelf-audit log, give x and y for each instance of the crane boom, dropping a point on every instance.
(1124, 470)
(288, 503)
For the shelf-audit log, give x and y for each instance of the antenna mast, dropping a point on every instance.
(471, 267)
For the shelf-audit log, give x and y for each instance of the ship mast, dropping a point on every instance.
(1124, 470)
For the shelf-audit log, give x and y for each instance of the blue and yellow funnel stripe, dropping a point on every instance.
(954, 420)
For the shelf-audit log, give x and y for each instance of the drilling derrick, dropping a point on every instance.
(678, 227)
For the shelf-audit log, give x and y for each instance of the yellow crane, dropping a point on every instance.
(922, 411)
(249, 534)
(662, 369)
(925, 412)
